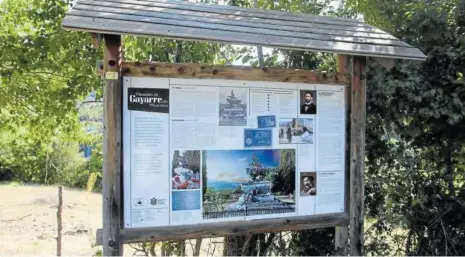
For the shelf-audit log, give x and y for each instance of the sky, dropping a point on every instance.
(230, 165)
(269, 50)
(306, 122)
(239, 93)
(284, 122)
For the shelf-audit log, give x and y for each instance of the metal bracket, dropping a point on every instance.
(111, 75)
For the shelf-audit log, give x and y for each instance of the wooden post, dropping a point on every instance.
(341, 239)
(59, 219)
(112, 97)
(357, 155)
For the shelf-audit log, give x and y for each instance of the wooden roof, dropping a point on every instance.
(235, 25)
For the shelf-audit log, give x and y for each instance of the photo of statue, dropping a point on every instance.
(233, 107)
(185, 170)
(248, 182)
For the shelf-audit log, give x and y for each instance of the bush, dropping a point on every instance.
(25, 160)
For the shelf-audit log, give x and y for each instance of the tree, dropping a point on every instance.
(287, 165)
(192, 159)
(256, 168)
(175, 161)
(204, 174)
(415, 114)
(43, 72)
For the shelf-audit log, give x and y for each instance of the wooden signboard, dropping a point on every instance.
(230, 153)
(199, 151)
(235, 154)
(218, 156)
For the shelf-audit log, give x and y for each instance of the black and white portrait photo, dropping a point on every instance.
(308, 184)
(307, 102)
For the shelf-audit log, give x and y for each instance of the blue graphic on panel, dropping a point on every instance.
(257, 137)
(185, 200)
(266, 121)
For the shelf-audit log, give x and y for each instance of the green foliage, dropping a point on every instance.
(414, 139)
(287, 171)
(318, 242)
(43, 72)
(216, 200)
(296, 59)
(171, 51)
(204, 173)
(415, 169)
(40, 62)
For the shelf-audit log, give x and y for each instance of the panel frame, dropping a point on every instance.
(228, 228)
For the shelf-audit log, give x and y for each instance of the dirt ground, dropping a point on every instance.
(28, 222)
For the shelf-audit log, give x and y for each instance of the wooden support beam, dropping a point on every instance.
(387, 63)
(201, 71)
(343, 63)
(112, 97)
(99, 67)
(95, 40)
(341, 239)
(233, 228)
(357, 156)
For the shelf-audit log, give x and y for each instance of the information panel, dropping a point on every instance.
(201, 151)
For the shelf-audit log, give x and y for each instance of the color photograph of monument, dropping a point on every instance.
(239, 183)
(185, 170)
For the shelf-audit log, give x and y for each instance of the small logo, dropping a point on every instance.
(139, 201)
(153, 201)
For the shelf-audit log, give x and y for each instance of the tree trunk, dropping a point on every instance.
(266, 244)
(198, 245)
(240, 245)
(449, 170)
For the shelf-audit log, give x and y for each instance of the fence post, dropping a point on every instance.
(59, 220)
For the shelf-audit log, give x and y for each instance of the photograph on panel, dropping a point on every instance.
(307, 101)
(238, 183)
(185, 167)
(307, 183)
(295, 131)
(233, 106)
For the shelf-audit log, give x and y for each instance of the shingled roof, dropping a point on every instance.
(235, 25)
